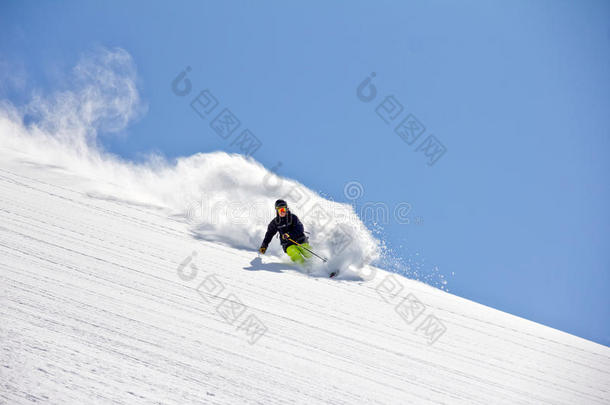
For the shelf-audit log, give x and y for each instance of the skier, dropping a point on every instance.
(291, 230)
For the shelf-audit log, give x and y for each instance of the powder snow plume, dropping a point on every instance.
(226, 198)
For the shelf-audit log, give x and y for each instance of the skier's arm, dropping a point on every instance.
(271, 230)
(297, 227)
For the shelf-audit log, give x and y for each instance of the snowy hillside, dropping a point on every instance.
(109, 300)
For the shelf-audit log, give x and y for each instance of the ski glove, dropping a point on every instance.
(285, 236)
(262, 250)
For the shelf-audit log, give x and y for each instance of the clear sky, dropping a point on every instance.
(515, 213)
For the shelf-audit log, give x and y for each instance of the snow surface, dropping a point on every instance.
(97, 306)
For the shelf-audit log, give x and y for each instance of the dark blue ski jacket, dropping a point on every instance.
(291, 225)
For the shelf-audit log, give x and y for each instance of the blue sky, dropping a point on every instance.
(514, 214)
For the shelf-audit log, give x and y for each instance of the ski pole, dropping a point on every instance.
(313, 253)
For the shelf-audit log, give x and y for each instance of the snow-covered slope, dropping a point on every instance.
(106, 301)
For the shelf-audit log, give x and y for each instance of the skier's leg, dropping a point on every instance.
(306, 253)
(295, 254)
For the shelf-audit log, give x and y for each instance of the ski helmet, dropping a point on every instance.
(280, 203)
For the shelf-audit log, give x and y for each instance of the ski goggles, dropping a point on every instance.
(281, 210)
